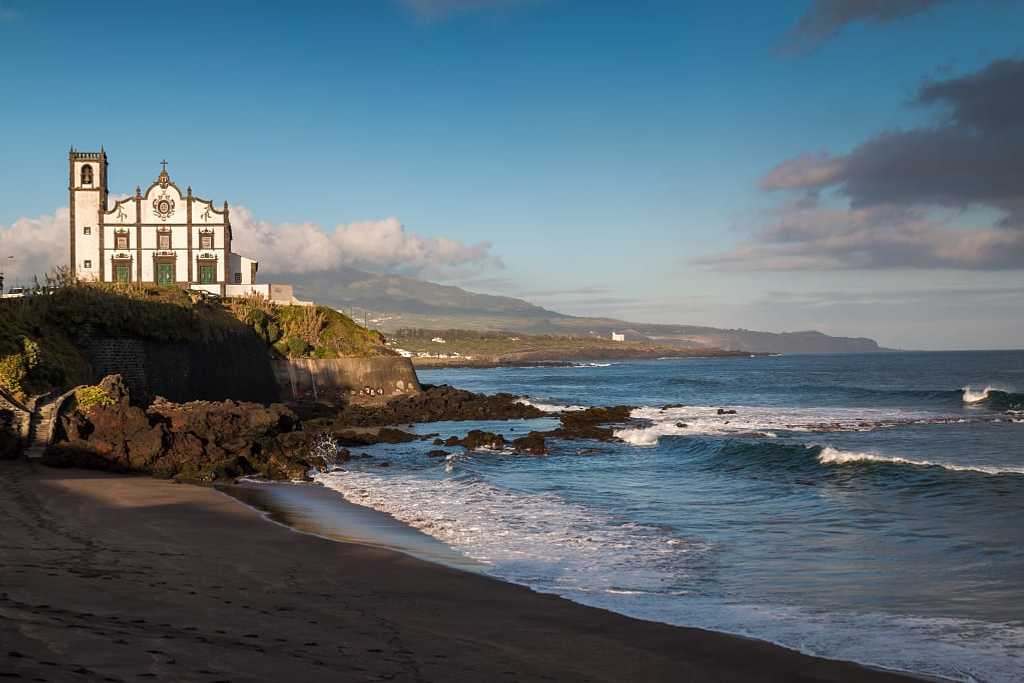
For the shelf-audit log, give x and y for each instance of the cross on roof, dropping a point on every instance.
(164, 162)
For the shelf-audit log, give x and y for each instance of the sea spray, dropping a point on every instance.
(971, 396)
(325, 447)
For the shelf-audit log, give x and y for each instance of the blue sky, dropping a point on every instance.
(615, 158)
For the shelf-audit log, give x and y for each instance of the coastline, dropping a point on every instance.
(190, 585)
(572, 358)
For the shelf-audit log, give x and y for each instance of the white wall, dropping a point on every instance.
(87, 207)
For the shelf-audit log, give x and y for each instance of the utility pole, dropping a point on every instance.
(9, 258)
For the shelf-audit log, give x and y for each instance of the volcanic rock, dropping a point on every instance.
(198, 441)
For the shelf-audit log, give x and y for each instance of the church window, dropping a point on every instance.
(163, 241)
(206, 241)
(121, 242)
(238, 278)
(87, 175)
(122, 272)
(207, 274)
(87, 230)
(87, 264)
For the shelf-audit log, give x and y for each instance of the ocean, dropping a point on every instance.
(860, 507)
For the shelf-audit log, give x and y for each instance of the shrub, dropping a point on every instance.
(16, 368)
(12, 375)
(87, 397)
(296, 347)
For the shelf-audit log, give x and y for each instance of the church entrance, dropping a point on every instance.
(207, 274)
(164, 273)
(122, 270)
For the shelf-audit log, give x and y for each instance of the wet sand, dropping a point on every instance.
(112, 578)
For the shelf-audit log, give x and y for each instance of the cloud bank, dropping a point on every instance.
(39, 244)
(808, 236)
(383, 245)
(904, 188)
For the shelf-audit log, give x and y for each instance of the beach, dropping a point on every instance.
(109, 577)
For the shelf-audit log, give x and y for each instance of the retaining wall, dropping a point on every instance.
(337, 378)
(237, 367)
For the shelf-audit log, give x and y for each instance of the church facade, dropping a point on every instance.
(160, 235)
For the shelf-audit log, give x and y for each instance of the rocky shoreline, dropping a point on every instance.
(104, 428)
(571, 358)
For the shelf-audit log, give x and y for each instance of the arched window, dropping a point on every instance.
(87, 175)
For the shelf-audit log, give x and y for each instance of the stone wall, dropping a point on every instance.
(236, 367)
(239, 367)
(336, 378)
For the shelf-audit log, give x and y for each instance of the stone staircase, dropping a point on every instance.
(40, 426)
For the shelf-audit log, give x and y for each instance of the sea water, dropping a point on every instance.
(860, 507)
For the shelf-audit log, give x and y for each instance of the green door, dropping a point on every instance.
(207, 275)
(164, 273)
(123, 273)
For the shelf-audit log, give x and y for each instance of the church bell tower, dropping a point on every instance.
(87, 183)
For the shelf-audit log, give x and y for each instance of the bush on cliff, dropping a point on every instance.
(21, 370)
(307, 331)
(87, 397)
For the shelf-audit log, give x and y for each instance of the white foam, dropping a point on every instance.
(953, 649)
(971, 396)
(551, 545)
(834, 456)
(550, 407)
(762, 421)
(536, 539)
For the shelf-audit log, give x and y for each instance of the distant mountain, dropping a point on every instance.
(391, 302)
(350, 287)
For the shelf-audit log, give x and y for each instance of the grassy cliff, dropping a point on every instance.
(40, 336)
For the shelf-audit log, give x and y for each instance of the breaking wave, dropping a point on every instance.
(763, 421)
(651, 572)
(991, 397)
(833, 456)
(550, 407)
(540, 540)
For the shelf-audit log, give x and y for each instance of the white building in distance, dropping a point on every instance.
(160, 235)
(618, 337)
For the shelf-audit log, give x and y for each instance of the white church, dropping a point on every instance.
(160, 235)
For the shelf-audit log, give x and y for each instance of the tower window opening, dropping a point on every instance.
(87, 174)
(87, 230)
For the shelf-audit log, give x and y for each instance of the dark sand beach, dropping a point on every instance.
(114, 578)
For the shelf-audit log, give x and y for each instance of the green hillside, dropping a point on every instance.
(392, 302)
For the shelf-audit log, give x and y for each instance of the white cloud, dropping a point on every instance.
(37, 245)
(383, 245)
(40, 244)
